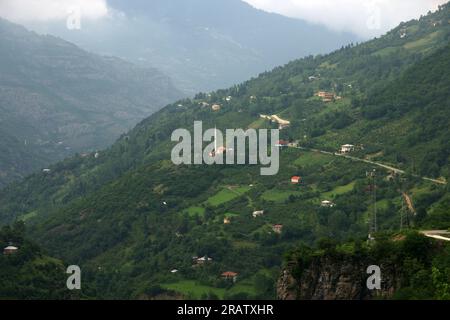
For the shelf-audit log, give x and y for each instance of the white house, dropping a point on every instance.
(257, 214)
(327, 204)
(10, 250)
(347, 148)
(203, 260)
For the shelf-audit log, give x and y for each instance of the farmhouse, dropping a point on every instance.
(257, 214)
(216, 107)
(230, 275)
(282, 143)
(226, 220)
(277, 228)
(326, 96)
(202, 260)
(10, 250)
(347, 148)
(296, 179)
(327, 204)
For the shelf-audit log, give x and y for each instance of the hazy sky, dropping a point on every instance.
(45, 10)
(366, 18)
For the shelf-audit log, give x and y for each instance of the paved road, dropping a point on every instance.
(276, 119)
(443, 235)
(390, 168)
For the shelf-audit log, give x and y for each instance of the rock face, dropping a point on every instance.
(334, 278)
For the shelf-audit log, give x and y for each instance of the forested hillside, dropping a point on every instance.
(29, 273)
(57, 100)
(134, 221)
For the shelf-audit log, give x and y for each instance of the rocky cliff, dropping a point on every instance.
(334, 277)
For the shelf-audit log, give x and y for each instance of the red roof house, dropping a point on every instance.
(229, 275)
(296, 179)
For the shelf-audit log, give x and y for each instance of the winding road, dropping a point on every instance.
(390, 168)
(443, 235)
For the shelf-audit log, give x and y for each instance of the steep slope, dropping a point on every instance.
(411, 266)
(28, 273)
(202, 44)
(134, 215)
(56, 99)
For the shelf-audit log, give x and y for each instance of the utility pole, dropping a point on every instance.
(373, 223)
(402, 211)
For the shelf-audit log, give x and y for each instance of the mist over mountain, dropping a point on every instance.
(201, 44)
(56, 99)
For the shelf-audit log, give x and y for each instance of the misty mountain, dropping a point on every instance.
(201, 44)
(56, 99)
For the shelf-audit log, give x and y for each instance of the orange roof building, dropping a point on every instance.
(296, 179)
(229, 275)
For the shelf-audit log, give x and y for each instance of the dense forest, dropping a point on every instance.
(29, 273)
(139, 226)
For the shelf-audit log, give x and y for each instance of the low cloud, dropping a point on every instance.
(50, 10)
(366, 18)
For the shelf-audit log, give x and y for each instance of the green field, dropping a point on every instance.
(226, 194)
(193, 290)
(386, 51)
(29, 216)
(423, 42)
(193, 211)
(340, 190)
(309, 159)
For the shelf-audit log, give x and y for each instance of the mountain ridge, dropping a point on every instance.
(65, 100)
(202, 45)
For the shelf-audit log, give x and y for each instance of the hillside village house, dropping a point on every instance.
(257, 214)
(327, 204)
(347, 148)
(202, 260)
(216, 107)
(326, 96)
(226, 220)
(9, 250)
(277, 228)
(296, 179)
(229, 275)
(281, 143)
